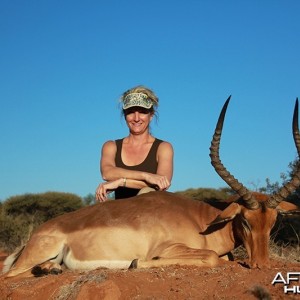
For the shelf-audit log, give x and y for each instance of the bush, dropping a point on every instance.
(21, 214)
(207, 193)
(13, 233)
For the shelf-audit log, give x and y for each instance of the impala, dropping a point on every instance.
(159, 228)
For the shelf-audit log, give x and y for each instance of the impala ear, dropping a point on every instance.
(286, 208)
(227, 214)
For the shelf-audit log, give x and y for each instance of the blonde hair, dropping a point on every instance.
(142, 89)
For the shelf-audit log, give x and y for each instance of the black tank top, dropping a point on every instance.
(148, 165)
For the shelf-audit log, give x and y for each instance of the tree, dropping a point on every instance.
(207, 193)
(22, 214)
(89, 199)
(272, 188)
(286, 229)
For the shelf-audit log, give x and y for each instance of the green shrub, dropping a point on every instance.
(22, 214)
(13, 233)
(207, 193)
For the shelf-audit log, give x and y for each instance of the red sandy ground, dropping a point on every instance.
(233, 281)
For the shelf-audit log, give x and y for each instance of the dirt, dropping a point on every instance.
(233, 281)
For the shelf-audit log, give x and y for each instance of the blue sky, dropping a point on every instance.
(64, 65)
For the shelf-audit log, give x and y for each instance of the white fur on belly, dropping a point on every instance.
(74, 264)
(94, 264)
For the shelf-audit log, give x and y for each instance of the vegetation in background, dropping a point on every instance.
(19, 215)
(207, 193)
(89, 199)
(287, 229)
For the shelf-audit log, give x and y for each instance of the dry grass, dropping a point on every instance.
(69, 291)
(288, 253)
(260, 293)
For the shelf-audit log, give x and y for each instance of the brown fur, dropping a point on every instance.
(153, 229)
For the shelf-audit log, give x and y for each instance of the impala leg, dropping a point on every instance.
(228, 256)
(42, 255)
(49, 267)
(179, 254)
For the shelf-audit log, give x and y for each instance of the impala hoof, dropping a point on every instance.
(37, 271)
(134, 264)
(55, 271)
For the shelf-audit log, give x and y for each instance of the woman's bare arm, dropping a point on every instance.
(115, 176)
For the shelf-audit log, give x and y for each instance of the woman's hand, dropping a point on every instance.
(159, 181)
(105, 188)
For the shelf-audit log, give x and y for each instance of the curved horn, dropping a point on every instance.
(241, 190)
(296, 134)
(294, 183)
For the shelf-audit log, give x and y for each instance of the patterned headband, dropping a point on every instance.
(137, 99)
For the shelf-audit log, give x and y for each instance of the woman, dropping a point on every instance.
(139, 162)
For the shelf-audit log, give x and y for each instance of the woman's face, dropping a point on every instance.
(138, 119)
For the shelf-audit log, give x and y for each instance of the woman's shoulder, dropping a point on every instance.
(113, 142)
(164, 145)
(162, 142)
(109, 144)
